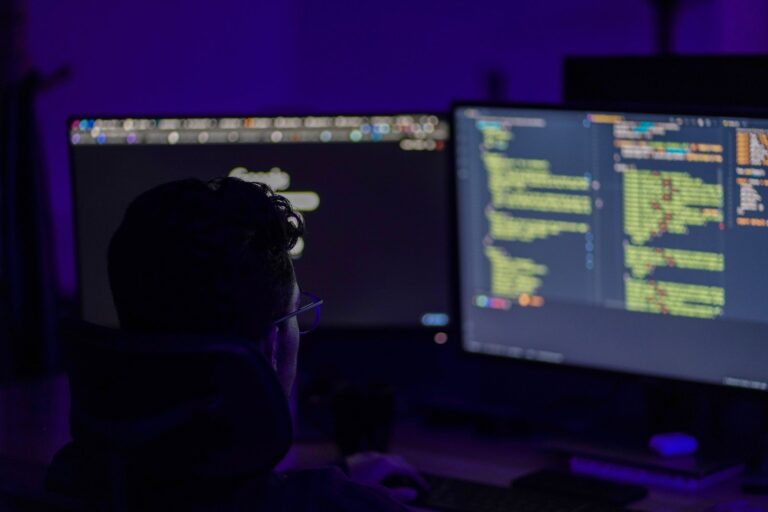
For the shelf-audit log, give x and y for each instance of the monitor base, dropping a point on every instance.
(690, 473)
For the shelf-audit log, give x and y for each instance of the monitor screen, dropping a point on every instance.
(373, 191)
(632, 242)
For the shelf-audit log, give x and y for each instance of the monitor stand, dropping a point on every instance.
(692, 472)
(728, 424)
(730, 430)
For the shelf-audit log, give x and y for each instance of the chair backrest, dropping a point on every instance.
(174, 407)
(15, 498)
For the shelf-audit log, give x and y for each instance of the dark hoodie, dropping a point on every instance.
(186, 422)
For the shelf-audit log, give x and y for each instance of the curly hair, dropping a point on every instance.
(192, 256)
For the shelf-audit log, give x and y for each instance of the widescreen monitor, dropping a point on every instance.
(373, 190)
(620, 241)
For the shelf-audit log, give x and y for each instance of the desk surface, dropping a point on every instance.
(462, 454)
(34, 425)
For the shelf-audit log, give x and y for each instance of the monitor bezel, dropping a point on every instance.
(585, 370)
(354, 333)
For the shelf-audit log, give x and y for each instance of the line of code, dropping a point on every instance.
(512, 277)
(495, 135)
(752, 147)
(671, 151)
(511, 181)
(642, 260)
(662, 209)
(529, 204)
(662, 202)
(672, 298)
(511, 228)
(752, 188)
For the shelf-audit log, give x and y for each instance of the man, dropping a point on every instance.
(213, 258)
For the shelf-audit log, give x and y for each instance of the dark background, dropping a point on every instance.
(239, 56)
(181, 56)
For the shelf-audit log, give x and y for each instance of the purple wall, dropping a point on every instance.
(441, 50)
(722, 26)
(249, 56)
(174, 56)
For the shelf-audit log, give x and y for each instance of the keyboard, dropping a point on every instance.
(579, 486)
(454, 495)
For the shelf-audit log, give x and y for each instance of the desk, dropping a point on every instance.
(462, 454)
(33, 426)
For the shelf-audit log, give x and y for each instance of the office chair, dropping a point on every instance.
(153, 410)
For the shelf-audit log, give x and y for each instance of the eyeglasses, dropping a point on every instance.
(308, 313)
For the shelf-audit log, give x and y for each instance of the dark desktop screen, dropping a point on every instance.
(373, 191)
(620, 241)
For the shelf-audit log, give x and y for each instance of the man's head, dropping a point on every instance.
(210, 257)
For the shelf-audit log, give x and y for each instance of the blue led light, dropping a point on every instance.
(673, 444)
(434, 319)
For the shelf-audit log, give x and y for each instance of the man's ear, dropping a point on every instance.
(268, 346)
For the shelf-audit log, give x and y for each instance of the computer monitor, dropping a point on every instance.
(623, 241)
(373, 189)
(733, 80)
